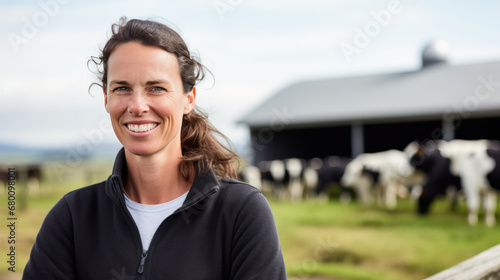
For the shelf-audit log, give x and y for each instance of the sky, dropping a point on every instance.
(254, 48)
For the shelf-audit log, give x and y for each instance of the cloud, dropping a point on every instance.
(258, 48)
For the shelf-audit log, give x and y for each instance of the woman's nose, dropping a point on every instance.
(138, 104)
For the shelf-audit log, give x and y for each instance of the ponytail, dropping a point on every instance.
(201, 150)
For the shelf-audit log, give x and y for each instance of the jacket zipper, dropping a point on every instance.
(144, 255)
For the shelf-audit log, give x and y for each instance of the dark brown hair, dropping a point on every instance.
(201, 150)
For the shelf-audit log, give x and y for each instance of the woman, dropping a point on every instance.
(169, 210)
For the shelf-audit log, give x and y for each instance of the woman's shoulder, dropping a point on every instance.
(237, 188)
(89, 192)
(73, 204)
(248, 210)
(241, 195)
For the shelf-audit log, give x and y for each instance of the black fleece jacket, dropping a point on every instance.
(224, 230)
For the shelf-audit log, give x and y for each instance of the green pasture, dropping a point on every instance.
(320, 240)
(338, 241)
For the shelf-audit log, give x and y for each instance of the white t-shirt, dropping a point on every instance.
(149, 217)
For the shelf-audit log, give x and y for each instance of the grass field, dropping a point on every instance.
(361, 242)
(320, 240)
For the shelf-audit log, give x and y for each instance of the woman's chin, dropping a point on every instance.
(141, 150)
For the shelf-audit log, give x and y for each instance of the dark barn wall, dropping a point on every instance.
(303, 143)
(483, 128)
(382, 137)
(326, 141)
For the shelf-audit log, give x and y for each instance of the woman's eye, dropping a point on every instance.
(157, 89)
(120, 89)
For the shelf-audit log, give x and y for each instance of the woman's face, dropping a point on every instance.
(145, 99)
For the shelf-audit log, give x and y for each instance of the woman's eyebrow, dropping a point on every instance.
(118, 82)
(148, 83)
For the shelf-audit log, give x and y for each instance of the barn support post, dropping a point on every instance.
(357, 139)
(448, 130)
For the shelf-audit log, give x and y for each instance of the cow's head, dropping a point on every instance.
(415, 153)
(352, 173)
(420, 155)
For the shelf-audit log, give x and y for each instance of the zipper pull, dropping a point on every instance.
(140, 270)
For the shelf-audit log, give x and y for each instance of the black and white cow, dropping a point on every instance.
(310, 177)
(437, 168)
(461, 163)
(382, 173)
(273, 177)
(331, 172)
(284, 177)
(321, 174)
(481, 177)
(479, 173)
(295, 170)
(291, 178)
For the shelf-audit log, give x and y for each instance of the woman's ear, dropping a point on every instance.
(105, 99)
(190, 101)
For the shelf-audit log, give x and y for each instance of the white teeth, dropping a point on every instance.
(142, 127)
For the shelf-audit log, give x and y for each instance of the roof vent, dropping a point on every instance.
(435, 53)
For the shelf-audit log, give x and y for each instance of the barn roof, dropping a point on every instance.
(433, 92)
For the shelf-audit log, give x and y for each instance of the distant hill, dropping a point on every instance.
(16, 154)
(12, 148)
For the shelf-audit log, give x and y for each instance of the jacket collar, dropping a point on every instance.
(204, 184)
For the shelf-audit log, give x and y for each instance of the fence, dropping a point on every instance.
(484, 266)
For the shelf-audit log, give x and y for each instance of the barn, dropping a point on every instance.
(352, 115)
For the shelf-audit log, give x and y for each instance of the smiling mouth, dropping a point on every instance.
(141, 127)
